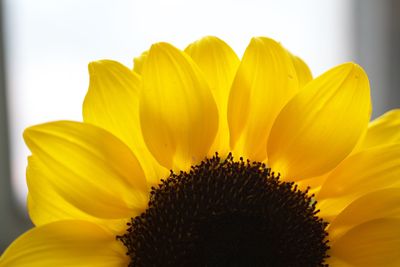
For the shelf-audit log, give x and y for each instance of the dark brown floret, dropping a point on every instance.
(227, 213)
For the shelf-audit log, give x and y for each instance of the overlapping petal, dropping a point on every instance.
(383, 203)
(265, 81)
(88, 167)
(45, 203)
(374, 243)
(112, 100)
(302, 70)
(364, 172)
(66, 243)
(178, 113)
(382, 171)
(219, 63)
(138, 62)
(321, 125)
(112, 103)
(383, 130)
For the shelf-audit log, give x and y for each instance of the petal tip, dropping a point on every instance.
(160, 46)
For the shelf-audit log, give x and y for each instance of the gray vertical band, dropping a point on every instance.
(12, 222)
(394, 55)
(377, 43)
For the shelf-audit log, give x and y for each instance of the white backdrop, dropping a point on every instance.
(49, 43)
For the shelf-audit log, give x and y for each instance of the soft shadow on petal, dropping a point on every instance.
(178, 114)
(374, 243)
(88, 167)
(302, 70)
(364, 172)
(264, 83)
(112, 103)
(45, 203)
(384, 130)
(383, 203)
(219, 64)
(321, 125)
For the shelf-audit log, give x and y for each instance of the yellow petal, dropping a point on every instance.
(178, 113)
(112, 99)
(361, 173)
(112, 103)
(65, 243)
(379, 204)
(366, 171)
(374, 243)
(46, 205)
(314, 184)
(139, 61)
(302, 70)
(383, 130)
(265, 81)
(88, 167)
(320, 126)
(335, 262)
(219, 63)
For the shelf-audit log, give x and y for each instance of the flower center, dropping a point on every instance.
(227, 213)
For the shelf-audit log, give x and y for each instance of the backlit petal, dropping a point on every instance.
(46, 204)
(88, 167)
(139, 61)
(374, 243)
(219, 63)
(265, 81)
(369, 170)
(383, 203)
(66, 243)
(383, 130)
(321, 125)
(302, 70)
(112, 103)
(364, 172)
(112, 99)
(178, 113)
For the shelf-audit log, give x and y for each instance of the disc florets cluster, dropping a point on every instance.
(227, 213)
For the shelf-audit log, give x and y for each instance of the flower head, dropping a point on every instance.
(197, 158)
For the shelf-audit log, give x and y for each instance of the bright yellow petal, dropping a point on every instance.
(366, 171)
(112, 103)
(178, 113)
(89, 168)
(265, 81)
(219, 63)
(383, 130)
(112, 99)
(320, 126)
(66, 243)
(302, 70)
(374, 243)
(361, 173)
(46, 205)
(379, 204)
(139, 61)
(314, 184)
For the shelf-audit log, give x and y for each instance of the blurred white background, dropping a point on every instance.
(48, 44)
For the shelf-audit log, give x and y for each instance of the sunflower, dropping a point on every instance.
(197, 158)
